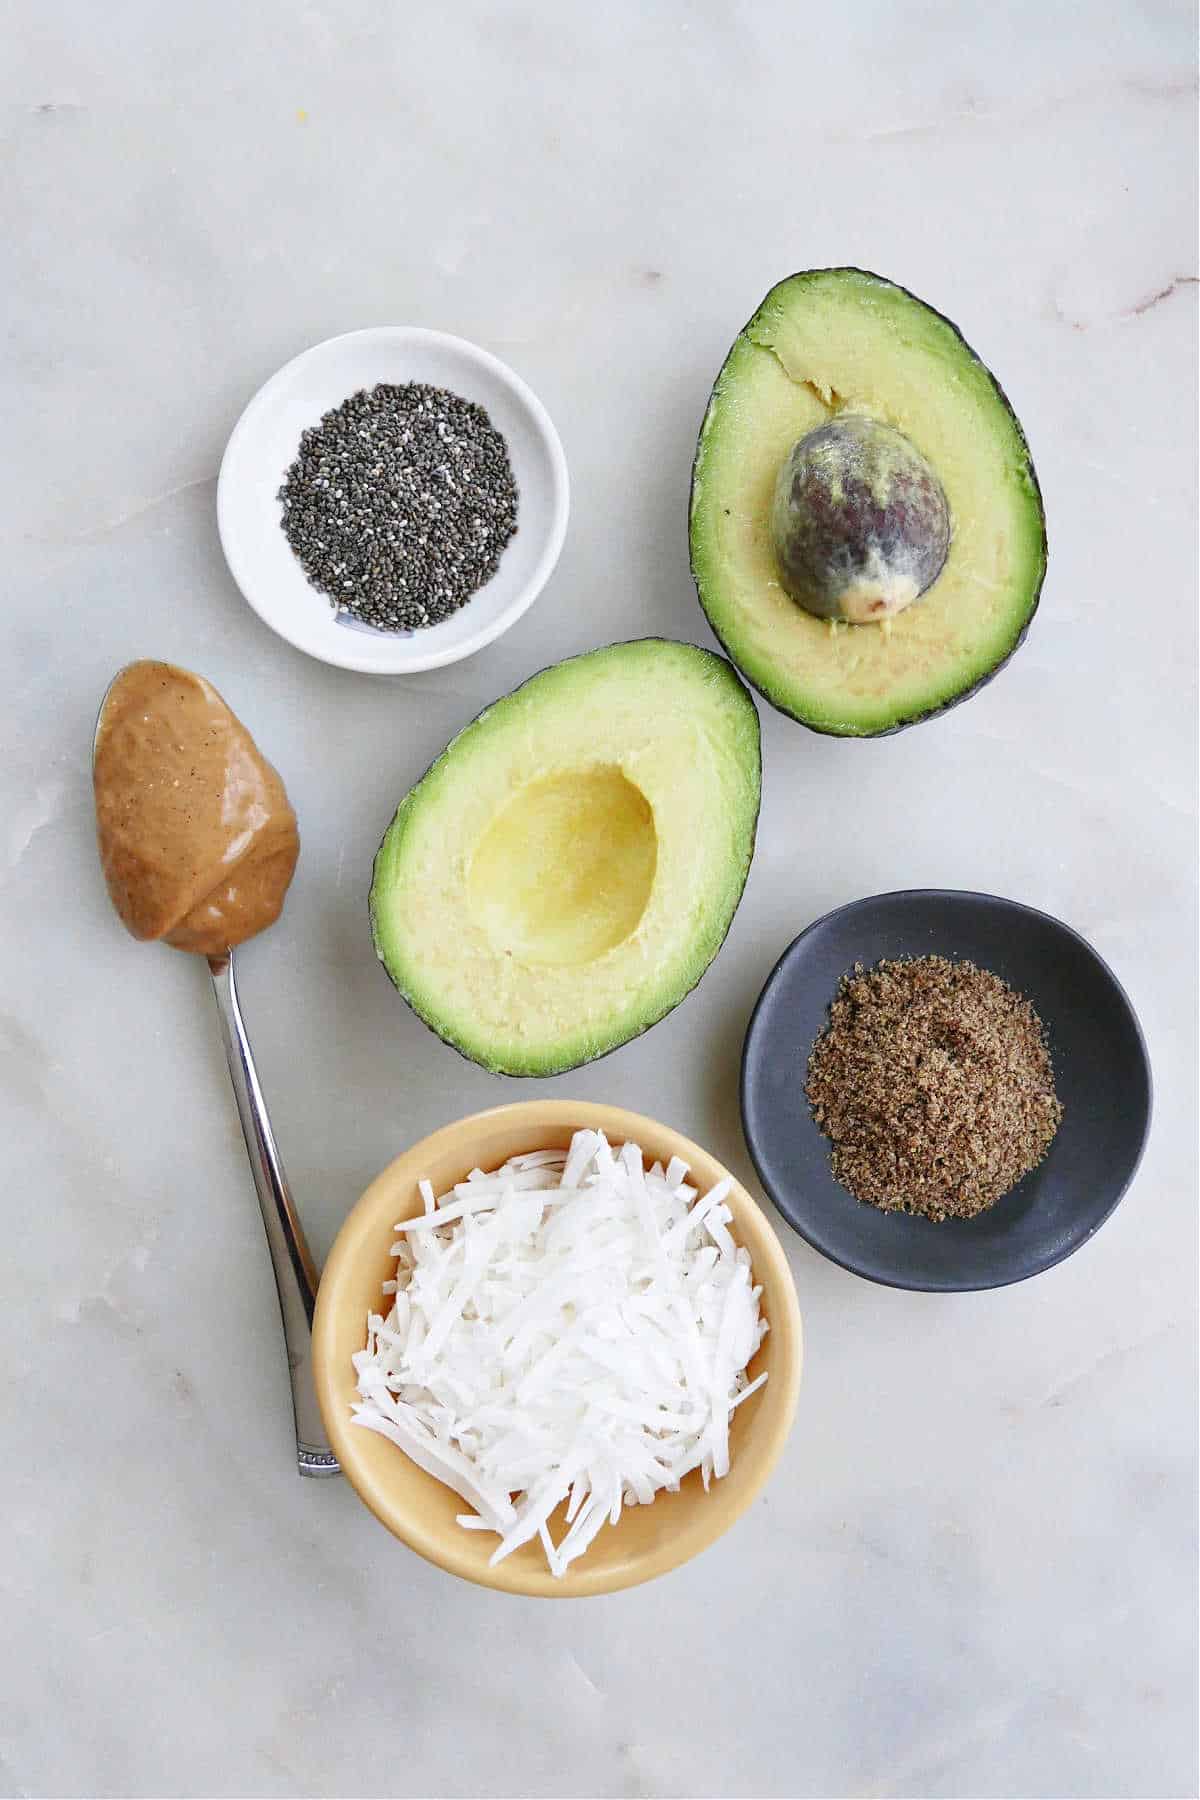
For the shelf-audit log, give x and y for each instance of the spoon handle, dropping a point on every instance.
(291, 1259)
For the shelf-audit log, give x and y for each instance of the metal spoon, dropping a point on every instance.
(291, 1259)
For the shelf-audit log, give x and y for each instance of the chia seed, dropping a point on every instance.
(399, 504)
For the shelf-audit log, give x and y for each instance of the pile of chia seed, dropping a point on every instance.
(400, 503)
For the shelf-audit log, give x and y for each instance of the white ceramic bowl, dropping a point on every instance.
(264, 444)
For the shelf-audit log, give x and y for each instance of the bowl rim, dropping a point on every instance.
(781, 1201)
(771, 1269)
(378, 661)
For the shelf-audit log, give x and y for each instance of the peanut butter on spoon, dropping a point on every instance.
(198, 844)
(197, 838)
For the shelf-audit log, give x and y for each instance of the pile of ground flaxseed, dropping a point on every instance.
(400, 503)
(933, 1082)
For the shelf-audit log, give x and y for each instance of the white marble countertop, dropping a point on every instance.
(973, 1573)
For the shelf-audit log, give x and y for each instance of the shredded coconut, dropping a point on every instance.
(573, 1327)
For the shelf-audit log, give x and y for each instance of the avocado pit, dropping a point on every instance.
(860, 523)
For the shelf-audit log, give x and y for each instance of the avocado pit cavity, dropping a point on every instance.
(859, 521)
(564, 873)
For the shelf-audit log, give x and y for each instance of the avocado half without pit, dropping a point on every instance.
(567, 869)
(867, 533)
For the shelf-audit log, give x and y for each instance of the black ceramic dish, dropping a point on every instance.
(1100, 1066)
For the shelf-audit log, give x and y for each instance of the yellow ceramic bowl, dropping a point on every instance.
(648, 1540)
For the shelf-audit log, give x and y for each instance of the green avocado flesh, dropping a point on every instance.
(568, 868)
(841, 340)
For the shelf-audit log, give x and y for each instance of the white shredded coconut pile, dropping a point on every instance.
(573, 1327)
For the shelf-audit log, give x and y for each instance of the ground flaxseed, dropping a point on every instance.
(934, 1084)
(399, 504)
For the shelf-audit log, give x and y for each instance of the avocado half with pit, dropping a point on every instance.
(867, 533)
(569, 866)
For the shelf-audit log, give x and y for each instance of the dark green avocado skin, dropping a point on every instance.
(967, 693)
(548, 1074)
